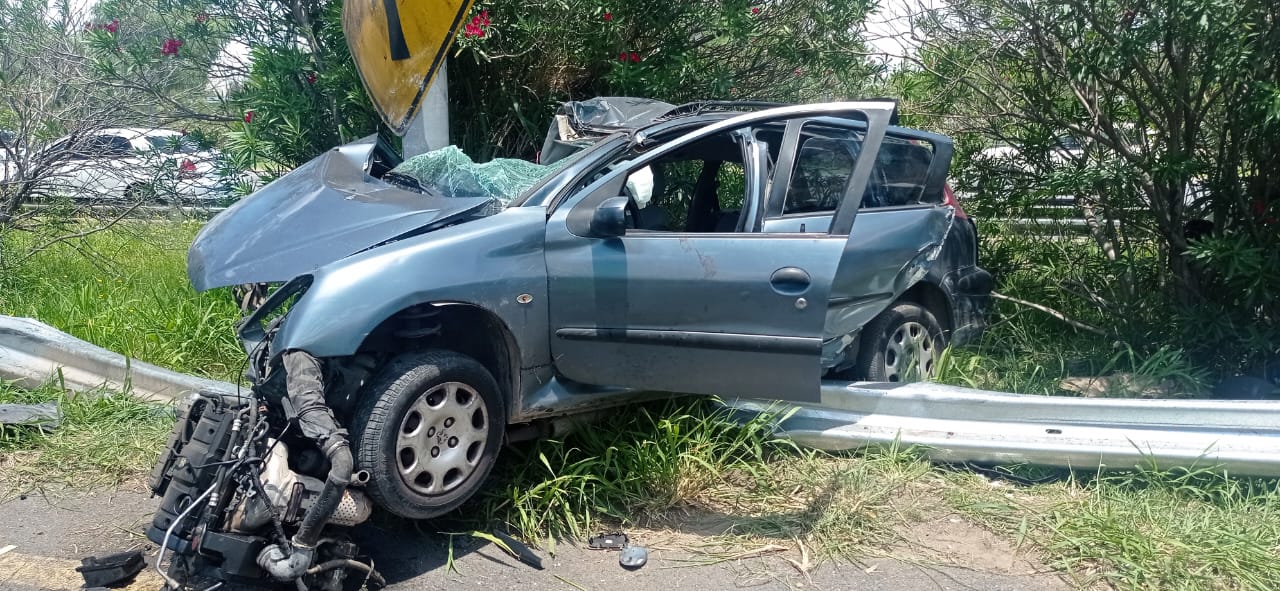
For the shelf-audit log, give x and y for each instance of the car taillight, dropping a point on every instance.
(187, 169)
(949, 198)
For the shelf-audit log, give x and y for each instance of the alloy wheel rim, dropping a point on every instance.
(441, 439)
(911, 353)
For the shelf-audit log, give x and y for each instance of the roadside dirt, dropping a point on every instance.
(51, 531)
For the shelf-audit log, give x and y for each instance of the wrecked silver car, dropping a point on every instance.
(731, 249)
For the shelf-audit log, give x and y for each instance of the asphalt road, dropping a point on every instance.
(46, 535)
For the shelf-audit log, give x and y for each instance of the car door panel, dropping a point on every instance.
(689, 314)
(888, 249)
(737, 314)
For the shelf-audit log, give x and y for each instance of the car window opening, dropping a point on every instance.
(699, 189)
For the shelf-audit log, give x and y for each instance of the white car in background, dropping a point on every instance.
(117, 165)
(1065, 148)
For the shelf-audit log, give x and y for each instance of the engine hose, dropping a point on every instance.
(347, 563)
(305, 386)
(340, 468)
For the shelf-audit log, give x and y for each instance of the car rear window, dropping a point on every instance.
(902, 168)
(825, 162)
(172, 144)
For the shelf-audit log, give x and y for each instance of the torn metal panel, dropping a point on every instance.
(887, 253)
(963, 425)
(613, 112)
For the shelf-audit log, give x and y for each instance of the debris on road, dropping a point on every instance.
(613, 541)
(44, 415)
(110, 570)
(24, 571)
(518, 549)
(634, 557)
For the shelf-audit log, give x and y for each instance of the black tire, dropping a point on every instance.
(143, 193)
(384, 412)
(902, 328)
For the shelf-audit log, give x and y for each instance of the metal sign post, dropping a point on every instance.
(430, 127)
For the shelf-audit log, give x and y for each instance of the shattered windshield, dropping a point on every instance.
(449, 172)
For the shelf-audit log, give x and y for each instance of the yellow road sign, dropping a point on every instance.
(398, 46)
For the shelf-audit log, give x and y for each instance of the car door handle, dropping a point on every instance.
(791, 281)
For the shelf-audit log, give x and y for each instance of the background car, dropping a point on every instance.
(159, 166)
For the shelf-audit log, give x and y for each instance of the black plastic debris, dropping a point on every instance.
(613, 541)
(631, 558)
(522, 552)
(44, 415)
(110, 570)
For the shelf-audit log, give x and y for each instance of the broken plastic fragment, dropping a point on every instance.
(634, 557)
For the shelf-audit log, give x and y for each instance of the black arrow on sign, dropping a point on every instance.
(395, 33)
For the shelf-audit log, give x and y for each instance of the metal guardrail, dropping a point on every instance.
(956, 424)
(33, 353)
(952, 424)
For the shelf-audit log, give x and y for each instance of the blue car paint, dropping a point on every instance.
(499, 264)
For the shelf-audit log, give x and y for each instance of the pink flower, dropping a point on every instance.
(622, 57)
(608, 17)
(170, 46)
(476, 28)
(112, 26)
(755, 10)
(311, 77)
(635, 58)
(248, 116)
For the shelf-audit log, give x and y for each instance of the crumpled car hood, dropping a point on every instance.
(324, 211)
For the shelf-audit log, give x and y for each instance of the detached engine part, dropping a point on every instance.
(255, 490)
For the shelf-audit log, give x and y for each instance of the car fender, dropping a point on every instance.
(494, 263)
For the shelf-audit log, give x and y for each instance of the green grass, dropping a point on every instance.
(688, 461)
(1150, 529)
(651, 459)
(103, 439)
(1029, 351)
(126, 289)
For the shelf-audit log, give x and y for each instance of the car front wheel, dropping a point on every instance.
(903, 344)
(427, 430)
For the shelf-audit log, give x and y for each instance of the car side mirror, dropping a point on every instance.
(610, 218)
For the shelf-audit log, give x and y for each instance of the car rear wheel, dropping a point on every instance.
(903, 344)
(143, 193)
(427, 429)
